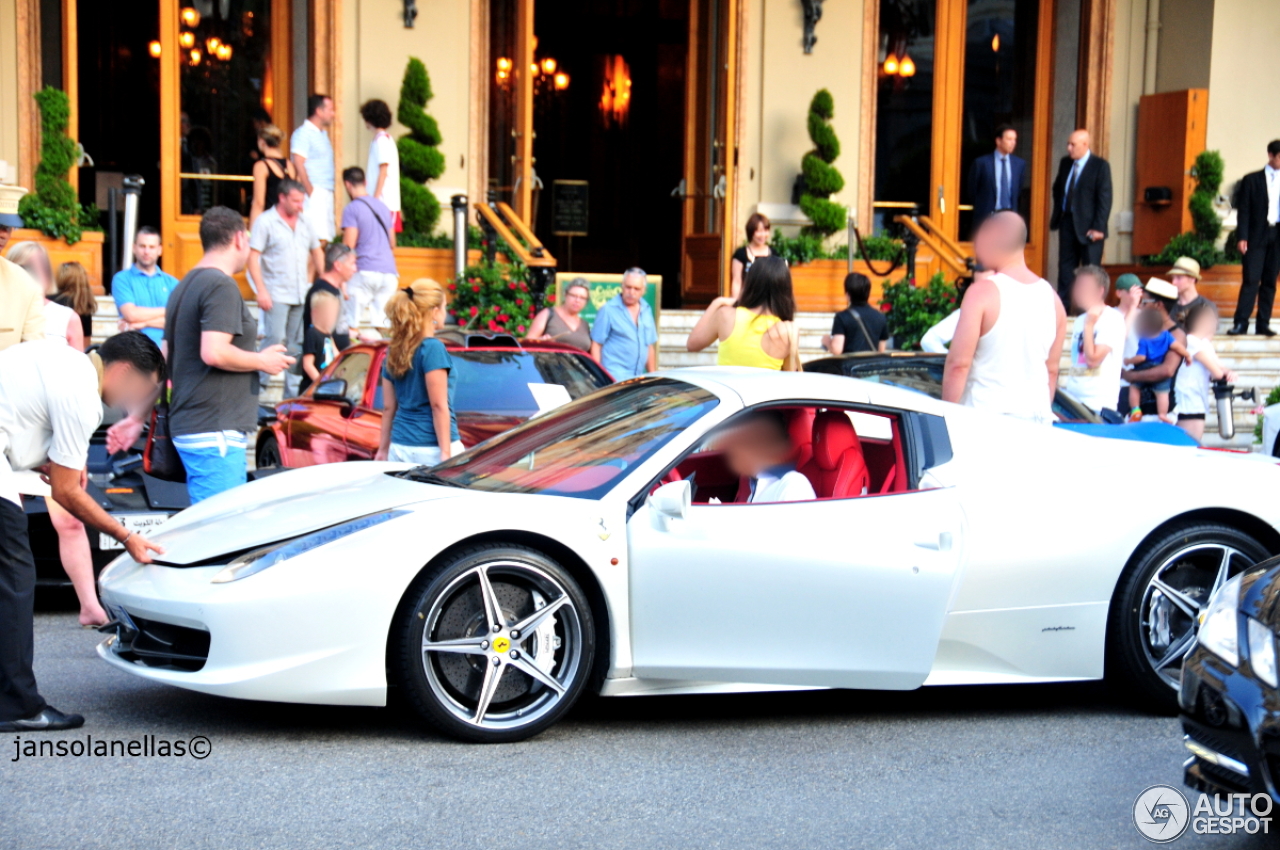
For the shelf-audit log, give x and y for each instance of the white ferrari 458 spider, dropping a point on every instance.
(606, 546)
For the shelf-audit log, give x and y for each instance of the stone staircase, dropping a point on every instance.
(1257, 360)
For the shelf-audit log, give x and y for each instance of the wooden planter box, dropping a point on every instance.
(1220, 284)
(87, 252)
(819, 285)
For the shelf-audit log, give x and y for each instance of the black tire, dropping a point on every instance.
(1149, 630)
(268, 454)
(445, 607)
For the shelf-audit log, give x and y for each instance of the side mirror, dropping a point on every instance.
(334, 389)
(672, 499)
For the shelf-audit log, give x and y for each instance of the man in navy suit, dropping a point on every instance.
(995, 179)
(1258, 238)
(1081, 210)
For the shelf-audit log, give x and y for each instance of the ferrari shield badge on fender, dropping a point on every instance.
(603, 532)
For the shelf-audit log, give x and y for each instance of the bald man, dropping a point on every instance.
(1081, 209)
(1004, 355)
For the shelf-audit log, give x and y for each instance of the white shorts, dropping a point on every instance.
(318, 210)
(369, 293)
(421, 455)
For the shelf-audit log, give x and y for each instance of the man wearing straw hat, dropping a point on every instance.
(1184, 275)
(21, 301)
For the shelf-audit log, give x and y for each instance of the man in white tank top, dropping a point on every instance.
(1004, 356)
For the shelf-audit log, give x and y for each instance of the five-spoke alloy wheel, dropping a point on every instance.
(1156, 614)
(495, 645)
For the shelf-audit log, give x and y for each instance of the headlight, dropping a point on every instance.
(268, 556)
(1262, 651)
(1219, 626)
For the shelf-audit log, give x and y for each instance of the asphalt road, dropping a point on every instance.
(1004, 767)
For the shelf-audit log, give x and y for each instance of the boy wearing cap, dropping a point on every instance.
(21, 301)
(1184, 276)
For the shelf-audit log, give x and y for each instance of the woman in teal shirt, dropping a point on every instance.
(418, 423)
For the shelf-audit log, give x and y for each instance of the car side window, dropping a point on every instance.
(354, 369)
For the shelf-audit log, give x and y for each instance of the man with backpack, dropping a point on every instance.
(367, 228)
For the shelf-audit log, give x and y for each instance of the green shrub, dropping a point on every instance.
(439, 240)
(1205, 225)
(53, 208)
(796, 250)
(1186, 245)
(1273, 397)
(821, 179)
(420, 160)
(493, 298)
(911, 310)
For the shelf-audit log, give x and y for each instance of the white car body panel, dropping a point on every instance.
(1041, 524)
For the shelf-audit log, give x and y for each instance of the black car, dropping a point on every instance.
(922, 372)
(1229, 700)
(118, 484)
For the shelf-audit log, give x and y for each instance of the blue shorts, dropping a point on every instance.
(1162, 386)
(215, 462)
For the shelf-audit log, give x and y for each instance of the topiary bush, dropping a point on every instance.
(53, 208)
(1200, 243)
(821, 179)
(420, 157)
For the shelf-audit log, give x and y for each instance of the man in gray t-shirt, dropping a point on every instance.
(367, 228)
(211, 336)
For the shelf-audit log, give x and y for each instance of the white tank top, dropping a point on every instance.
(56, 320)
(1010, 374)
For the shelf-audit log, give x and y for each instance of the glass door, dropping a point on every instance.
(511, 49)
(949, 73)
(224, 75)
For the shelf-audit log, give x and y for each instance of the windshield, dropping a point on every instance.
(585, 447)
(503, 383)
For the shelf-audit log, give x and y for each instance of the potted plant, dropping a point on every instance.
(53, 215)
(911, 310)
(493, 297)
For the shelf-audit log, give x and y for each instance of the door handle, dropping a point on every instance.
(721, 188)
(941, 543)
(942, 200)
(681, 189)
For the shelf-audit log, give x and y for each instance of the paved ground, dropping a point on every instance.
(1010, 767)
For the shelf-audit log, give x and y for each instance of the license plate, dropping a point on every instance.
(139, 523)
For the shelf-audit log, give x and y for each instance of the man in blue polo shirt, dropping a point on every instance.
(624, 337)
(142, 290)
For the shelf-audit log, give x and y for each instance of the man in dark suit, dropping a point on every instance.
(1257, 214)
(1081, 209)
(995, 179)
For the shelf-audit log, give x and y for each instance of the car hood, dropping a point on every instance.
(286, 505)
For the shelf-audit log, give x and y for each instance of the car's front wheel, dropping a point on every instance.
(1156, 611)
(494, 645)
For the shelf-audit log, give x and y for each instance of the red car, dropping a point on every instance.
(339, 417)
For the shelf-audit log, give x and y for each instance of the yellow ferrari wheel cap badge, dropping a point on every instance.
(501, 644)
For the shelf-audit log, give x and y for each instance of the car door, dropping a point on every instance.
(845, 593)
(364, 422)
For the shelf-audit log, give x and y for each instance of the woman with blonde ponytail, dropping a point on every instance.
(418, 423)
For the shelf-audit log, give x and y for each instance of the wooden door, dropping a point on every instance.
(216, 73)
(710, 151)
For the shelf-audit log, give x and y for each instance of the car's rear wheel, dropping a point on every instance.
(1156, 611)
(268, 453)
(494, 645)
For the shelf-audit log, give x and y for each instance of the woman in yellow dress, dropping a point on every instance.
(758, 328)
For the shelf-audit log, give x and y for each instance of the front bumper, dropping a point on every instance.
(1232, 726)
(277, 636)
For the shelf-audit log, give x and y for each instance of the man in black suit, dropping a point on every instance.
(1081, 209)
(1257, 214)
(995, 179)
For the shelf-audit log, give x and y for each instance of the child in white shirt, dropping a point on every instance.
(1200, 365)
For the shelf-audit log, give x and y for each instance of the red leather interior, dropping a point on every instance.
(800, 427)
(837, 469)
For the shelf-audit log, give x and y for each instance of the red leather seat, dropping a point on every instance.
(800, 428)
(838, 469)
